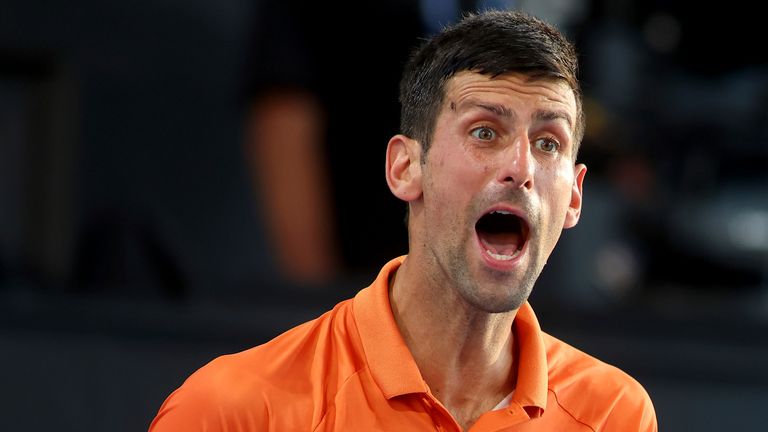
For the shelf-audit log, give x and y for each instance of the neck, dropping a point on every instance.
(465, 355)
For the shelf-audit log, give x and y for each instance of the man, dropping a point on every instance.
(444, 338)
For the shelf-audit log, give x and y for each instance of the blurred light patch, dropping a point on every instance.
(617, 269)
(748, 230)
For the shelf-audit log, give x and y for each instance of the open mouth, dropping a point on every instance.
(502, 234)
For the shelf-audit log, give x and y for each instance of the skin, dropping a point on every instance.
(499, 143)
(284, 152)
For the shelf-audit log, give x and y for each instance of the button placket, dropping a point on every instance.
(441, 419)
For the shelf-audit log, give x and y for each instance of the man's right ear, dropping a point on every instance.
(404, 167)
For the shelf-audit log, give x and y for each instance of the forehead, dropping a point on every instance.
(510, 90)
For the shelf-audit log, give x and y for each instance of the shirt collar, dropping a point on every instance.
(394, 369)
(532, 369)
(391, 363)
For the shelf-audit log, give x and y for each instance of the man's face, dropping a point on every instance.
(498, 186)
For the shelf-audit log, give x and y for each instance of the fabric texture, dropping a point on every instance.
(350, 370)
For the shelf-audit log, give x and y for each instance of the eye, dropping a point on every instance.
(483, 133)
(547, 145)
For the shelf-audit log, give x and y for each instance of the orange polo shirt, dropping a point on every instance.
(350, 370)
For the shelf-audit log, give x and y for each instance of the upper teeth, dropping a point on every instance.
(504, 212)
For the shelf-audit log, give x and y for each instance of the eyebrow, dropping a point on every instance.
(548, 116)
(497, 109)
(506, 112)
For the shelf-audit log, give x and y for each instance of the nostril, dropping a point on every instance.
(509, 180)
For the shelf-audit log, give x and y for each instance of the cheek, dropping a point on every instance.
(466, 168)
(556, 187)
(451, 181)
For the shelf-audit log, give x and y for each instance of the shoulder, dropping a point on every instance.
(596, 393)
(220, 396)
(292, 375)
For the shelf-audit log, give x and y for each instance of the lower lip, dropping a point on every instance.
(500, 265)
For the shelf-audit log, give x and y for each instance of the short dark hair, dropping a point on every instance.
(492, 43)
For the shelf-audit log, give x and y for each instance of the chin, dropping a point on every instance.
(498, 299)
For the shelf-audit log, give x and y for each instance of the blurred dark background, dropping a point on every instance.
(134, 246)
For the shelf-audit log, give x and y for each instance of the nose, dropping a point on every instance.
(517, 165)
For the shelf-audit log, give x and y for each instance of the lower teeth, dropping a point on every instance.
(503, 257)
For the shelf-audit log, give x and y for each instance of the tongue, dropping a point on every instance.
(501, 243)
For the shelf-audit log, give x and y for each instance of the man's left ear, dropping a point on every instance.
(574, 208)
